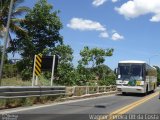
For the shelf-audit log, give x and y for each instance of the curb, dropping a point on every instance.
(71, 98)
(89, 95)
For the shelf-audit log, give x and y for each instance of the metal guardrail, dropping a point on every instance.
(84, 90)
(29, 91)
(37, 91)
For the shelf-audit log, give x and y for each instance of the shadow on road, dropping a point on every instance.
(91, 106)
(134, 94)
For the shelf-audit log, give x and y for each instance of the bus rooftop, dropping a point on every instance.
(132, 61)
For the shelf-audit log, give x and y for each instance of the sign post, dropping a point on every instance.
(33, 71)
(45, 63)
(36, 83)
(53, 64)
(37, 68)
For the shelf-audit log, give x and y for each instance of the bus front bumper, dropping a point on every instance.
(131, 89)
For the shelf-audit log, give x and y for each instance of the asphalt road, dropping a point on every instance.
(85, 109)
(150, 107)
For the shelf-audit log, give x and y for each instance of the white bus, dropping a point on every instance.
(136, 77)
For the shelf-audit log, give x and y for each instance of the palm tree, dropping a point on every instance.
(16, 11)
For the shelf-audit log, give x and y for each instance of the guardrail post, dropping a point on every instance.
(97, 89)
(104, 88)
(86, 90)
(73, 90)
(110, 88)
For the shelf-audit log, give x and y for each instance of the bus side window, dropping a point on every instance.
(143, 72)
(147, 70)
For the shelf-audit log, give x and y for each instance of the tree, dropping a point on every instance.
(94, 56)
(64, 52)
(91, 66)
(6, 57)
(42, 27)
(66, 73)
(158, 74)
(16, 11)
(105, 75)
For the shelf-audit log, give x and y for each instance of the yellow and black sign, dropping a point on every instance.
(38, 64)
(44, 63)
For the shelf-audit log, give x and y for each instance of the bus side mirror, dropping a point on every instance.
(116, 71)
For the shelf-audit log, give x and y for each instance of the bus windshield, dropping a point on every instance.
(130, 71)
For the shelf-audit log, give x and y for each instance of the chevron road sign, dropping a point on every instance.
(38, 62)
(43, 63)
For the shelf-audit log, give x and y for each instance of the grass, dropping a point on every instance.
(17, 102)
(16, 81)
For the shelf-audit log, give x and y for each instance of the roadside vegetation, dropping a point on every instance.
(18, 102)
(37, 30)
(32, 36)
(158, 75)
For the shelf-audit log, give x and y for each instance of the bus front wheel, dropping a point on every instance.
(154, 88)
(146, 90)
(124, 93)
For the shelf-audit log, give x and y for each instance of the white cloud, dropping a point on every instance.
(155, 18)
(89, 25)
(98, 2)
(104, 35)
(84, 24)
(136, 8)
(117, 36)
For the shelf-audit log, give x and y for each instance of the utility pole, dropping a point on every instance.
(5, 41)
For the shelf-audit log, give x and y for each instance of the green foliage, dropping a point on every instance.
(26, 74)
(47, 74)
(65, 73)
(14, 23)
(94, 56)
(102, 71)
(91, 69)
(108, 80)
(42, 25)
(2, 103)
(24, 68)
(9, 71)
(14, 102)
(158, 74)
(85, 75)
(40, 34)
(5, 57)
(64, 52)
(18, 102)
(68, 75)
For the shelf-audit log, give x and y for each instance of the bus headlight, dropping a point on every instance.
(139, 83)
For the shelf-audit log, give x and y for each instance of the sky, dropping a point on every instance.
(131, 27)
